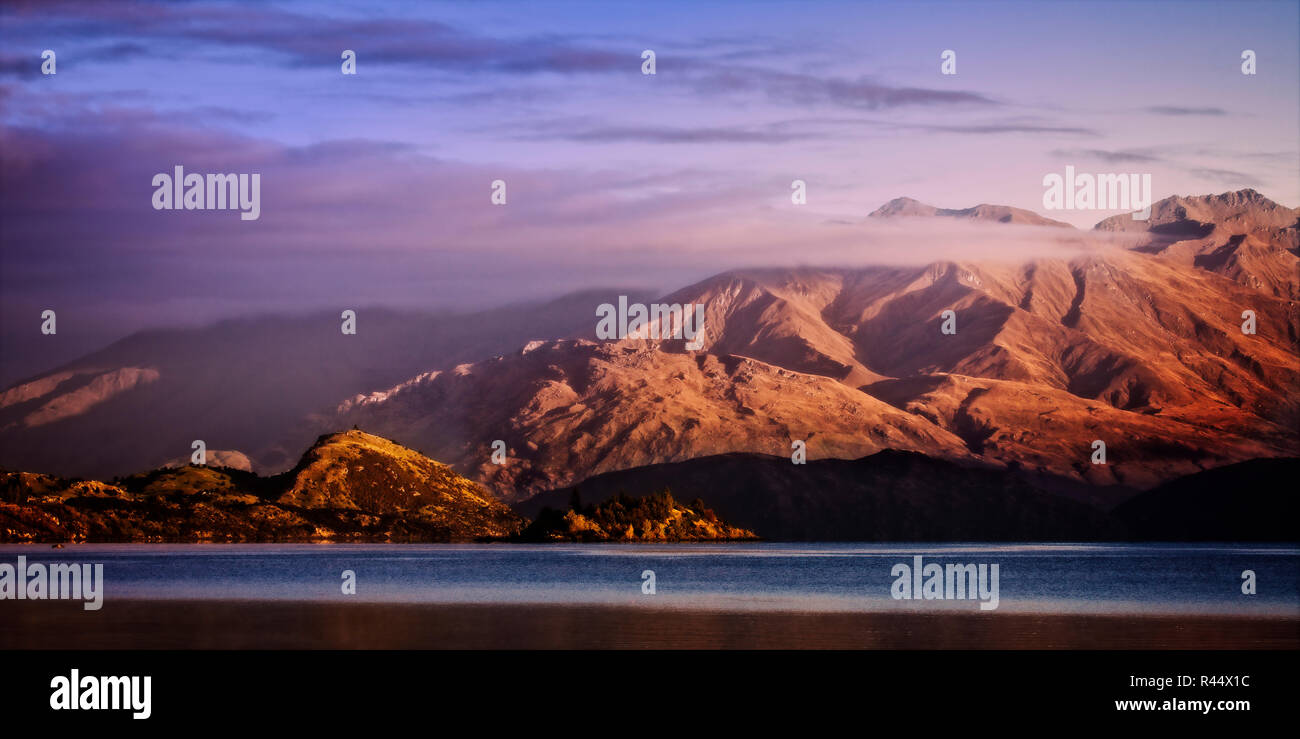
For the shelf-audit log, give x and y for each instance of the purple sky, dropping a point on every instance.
(375, 187)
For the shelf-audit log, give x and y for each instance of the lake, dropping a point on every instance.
(737, 577)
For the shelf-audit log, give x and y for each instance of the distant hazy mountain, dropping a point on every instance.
(982, 212)
(244, 385)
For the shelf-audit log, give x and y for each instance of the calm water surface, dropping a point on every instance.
(1077, 578)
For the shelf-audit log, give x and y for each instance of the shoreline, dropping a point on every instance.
(278, 625)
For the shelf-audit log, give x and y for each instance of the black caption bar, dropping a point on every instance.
(233, 690)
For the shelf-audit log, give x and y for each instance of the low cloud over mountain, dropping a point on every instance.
(1138, 344)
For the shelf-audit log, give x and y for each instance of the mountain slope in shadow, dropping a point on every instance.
(888, 496)
(1249, 501)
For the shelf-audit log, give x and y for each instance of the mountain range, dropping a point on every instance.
(1132, 344)
(1136, 340)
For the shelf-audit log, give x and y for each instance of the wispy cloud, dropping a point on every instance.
(1218, 176)
(1001, 128)
(1110, 157)
(302, 40)
(1223, 177)
(315, 39)
(667, 135)
(1184, 111)
(14, 65)
(863, 93)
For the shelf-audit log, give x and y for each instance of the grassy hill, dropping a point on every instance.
(348, 486)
